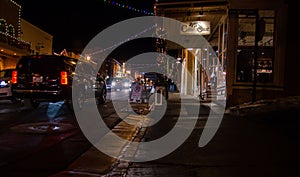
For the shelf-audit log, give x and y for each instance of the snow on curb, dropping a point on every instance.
(265, 105)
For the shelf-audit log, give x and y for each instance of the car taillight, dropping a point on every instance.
(14, 77)
(63, 78)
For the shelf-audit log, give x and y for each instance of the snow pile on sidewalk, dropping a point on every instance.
(265, 105)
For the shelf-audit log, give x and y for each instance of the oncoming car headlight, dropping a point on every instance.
(126, 84)
(3, 83)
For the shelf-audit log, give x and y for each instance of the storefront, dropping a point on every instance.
(204, 75)
(256, 61)
(249, 41)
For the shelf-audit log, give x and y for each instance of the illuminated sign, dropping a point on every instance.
(195, 28)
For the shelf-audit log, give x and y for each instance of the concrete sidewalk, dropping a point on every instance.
(94, 162)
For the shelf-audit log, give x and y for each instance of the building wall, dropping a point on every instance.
(292, 80)
(10, 63)
(41, 41)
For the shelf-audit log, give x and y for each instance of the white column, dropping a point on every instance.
(183, 77)
(195, 74)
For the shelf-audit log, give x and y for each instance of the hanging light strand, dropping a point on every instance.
(124, 41)
(128, 7)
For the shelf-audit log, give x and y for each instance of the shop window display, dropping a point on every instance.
(246, 48)
(245, 63)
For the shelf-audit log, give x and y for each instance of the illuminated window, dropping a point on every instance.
(246, 47)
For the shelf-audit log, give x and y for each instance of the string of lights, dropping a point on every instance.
(128, 7)
(126, 40)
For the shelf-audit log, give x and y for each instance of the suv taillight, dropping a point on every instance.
(14, 77)
(63, 78)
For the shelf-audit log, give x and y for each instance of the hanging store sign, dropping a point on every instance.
(195, 28)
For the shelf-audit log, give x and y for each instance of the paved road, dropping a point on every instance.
(40, 142)
(254, 144)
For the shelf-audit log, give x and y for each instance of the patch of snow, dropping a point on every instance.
(265, 105)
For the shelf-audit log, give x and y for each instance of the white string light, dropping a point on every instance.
(128, 7)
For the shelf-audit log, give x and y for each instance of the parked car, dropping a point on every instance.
(51, 78)
(5, 84)
(117, 83)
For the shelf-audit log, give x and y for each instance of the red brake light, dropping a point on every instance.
(14, 77)
(63, 78)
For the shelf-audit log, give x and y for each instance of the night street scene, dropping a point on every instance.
(148, 88)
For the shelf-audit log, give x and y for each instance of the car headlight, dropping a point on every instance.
(3, 83)
(113, 83)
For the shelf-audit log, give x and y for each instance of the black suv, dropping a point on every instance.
(50, 78)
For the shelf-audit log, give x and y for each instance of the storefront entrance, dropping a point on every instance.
(250, 49)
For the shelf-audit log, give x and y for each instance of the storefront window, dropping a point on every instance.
(246, 47)
(245, 63)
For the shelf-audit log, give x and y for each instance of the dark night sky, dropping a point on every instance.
(74, 23)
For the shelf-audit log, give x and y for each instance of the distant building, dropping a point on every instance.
(41, 41)
(12, 47)
(18, 37)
